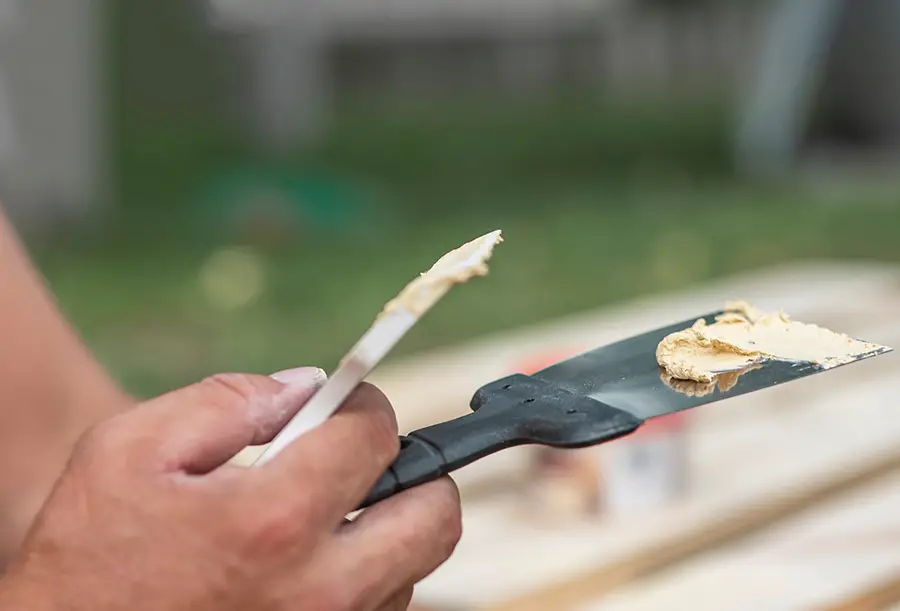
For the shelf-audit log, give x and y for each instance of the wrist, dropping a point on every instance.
(23, 491)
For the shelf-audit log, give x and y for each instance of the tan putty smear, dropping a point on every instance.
(455, 267)
(744, 336)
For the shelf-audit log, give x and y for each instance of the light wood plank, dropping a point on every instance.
(883, 595)
(843, 556)
(747, 473)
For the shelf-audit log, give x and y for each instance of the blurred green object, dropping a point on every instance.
(277, 203)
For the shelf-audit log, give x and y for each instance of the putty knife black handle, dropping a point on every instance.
(514, 411)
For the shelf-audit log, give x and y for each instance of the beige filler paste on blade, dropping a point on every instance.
(724, 382)
(743, 336)
(455, 267)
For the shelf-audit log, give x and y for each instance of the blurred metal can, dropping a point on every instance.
(647, 469)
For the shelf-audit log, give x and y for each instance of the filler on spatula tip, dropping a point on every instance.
(394, 321)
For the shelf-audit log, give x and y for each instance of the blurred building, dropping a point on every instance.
(826, 70)
(309, 52)
(52, 125)
(826, 89)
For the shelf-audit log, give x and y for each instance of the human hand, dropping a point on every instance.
(149, 516)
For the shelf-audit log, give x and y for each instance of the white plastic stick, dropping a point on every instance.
(398, 317)
(373, 347)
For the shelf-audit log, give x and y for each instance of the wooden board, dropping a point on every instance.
(883, 595)
(844, 555)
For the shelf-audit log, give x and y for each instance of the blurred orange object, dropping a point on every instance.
(533, 364)
(564, 484)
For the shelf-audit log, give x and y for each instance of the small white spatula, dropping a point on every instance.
(395, 320)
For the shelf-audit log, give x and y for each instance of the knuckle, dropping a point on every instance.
(273, 528)
(386, 443)
(447, 516)
(98, 442)
(232, 394)
(435, 524)
(104, 451)
(382, 421)
(336, 594)
(228, 390)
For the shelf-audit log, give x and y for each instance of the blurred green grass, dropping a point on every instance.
(150, 321)
(421, 158)
(599, 203)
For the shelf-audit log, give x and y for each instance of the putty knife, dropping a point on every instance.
(586, 400)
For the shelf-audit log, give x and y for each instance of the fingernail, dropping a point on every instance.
(301, 376)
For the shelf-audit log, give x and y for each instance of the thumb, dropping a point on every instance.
(200, 427)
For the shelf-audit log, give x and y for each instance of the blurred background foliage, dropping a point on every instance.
(601, 199)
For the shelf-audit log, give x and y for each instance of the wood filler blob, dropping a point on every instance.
(724, 382)
(744, 336)
(456, 267)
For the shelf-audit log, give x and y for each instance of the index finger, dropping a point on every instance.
(332, 468)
